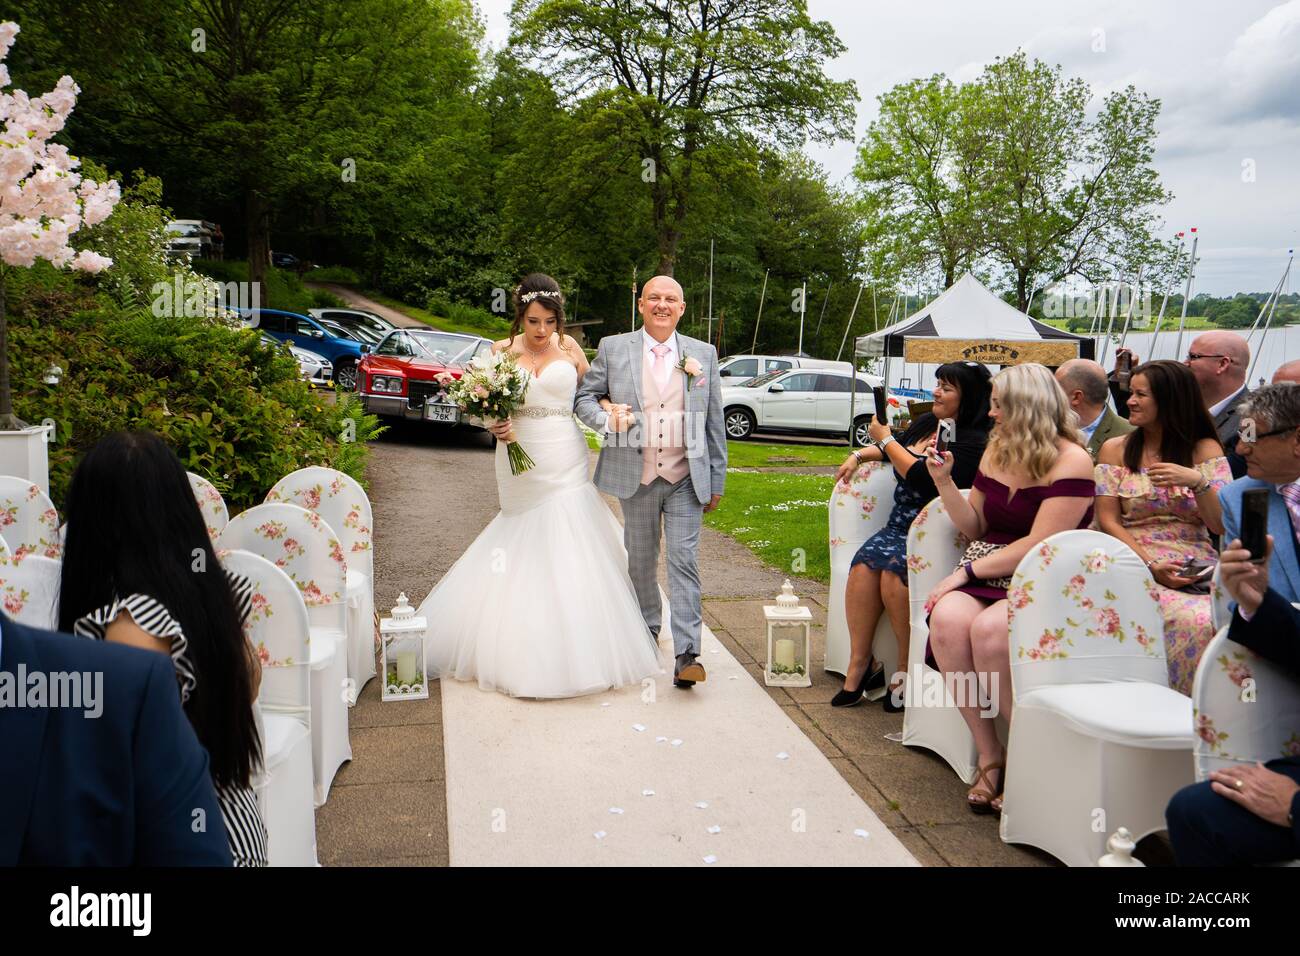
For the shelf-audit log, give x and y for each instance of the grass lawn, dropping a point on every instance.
(781, 518)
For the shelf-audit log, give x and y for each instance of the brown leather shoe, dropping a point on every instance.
(688, 671)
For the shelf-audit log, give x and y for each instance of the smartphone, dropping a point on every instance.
(1124, 369)
(946, 427)
(1254, 523)
(1196, 570)
(882, 405)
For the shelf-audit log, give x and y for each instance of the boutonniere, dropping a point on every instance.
(692, 369)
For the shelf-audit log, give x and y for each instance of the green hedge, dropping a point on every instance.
(233, 409)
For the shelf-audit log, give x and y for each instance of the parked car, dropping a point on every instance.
(800, 401)
(285, 260)
(738, 369)
(189, 237)
(315, 369)
(306, 333)
(396, 379)
(355, 318)
(353, 332)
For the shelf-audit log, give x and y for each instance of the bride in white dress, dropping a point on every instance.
(541, 605)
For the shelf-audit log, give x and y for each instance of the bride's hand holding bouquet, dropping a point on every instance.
(491, 388)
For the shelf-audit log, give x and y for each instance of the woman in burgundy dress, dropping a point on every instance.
(1035, 479)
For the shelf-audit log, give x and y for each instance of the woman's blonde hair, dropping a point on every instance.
(1033, 414)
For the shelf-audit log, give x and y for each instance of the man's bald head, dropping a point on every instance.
(1088, 379)
(665, 281)
(1290, 372)
(662, 305)
(1223, 369)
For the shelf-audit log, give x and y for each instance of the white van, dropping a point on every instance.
(738, 369)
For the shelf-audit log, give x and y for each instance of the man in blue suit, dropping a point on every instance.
(1249, 814)
(98, 764)
(1270, 444)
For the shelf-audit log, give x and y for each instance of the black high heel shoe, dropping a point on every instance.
(847, 698)
(888, 705)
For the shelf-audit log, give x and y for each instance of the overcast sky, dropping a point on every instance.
(1227, 73)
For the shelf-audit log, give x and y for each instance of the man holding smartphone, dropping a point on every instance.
(1250, 814)
(1270, 444)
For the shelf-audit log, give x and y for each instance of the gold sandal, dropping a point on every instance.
(980, 799)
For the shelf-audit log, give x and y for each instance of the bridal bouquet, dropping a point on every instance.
(492, 387)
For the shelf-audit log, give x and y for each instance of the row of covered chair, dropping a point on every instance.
(1099, 740)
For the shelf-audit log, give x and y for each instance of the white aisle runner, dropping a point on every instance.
(564, 782)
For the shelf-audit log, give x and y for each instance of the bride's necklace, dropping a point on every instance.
(536, 354)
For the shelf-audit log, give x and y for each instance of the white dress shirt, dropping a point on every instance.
(648, 342)
(1220, 406)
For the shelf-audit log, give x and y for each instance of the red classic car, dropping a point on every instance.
(395, 379)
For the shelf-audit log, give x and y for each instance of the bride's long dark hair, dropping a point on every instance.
(551, 299)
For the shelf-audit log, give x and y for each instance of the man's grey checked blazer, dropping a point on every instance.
(616, 372)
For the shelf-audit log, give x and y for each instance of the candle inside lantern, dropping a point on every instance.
(784, 653)
(405, 667)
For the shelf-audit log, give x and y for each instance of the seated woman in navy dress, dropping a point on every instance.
(1035, 479)
(878, 574)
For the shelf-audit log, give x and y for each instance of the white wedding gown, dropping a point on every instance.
(541, 605)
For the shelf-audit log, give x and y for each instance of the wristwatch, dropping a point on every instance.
(883, 442)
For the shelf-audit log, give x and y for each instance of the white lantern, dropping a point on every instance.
(402, 655)
(789, 641)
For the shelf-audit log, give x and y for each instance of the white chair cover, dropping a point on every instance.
(342, 502)
(857, 511)
(1098, 739)
(932, 720)
(303, 545)
(29, 589)
(1247, 708)
(211, 504)
(29, 523)
(277, 628)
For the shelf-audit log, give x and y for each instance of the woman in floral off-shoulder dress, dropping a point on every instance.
(1158, 492)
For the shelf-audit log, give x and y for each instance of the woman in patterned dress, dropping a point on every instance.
(1158, 492)
(138, 568)
(878, 574)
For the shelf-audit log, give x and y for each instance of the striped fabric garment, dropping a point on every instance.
(245, 830)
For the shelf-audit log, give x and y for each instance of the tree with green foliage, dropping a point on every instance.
(680, 78)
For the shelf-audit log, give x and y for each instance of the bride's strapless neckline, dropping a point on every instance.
(550, 364)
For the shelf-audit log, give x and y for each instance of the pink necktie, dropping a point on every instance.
(660, 369)
(1291, 495)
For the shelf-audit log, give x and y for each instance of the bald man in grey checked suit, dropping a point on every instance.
(664, 456)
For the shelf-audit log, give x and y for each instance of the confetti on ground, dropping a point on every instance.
(733, 677)
(715, 829)
(647, 793)
(638, 727)
(710, 859)
(661, 740)
(677, 742)
(783, 756)
(599, 834)
(615, 809)
(702, 805)
(861, 833)
(605, 704)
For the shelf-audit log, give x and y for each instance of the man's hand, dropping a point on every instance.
(620, 418)
(1242, 578)
(713, 503)
(1264, 793)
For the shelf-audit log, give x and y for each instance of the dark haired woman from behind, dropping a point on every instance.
(1158, 492)
(139, 569)
(878, 575)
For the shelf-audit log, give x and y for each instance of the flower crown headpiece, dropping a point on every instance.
(529, 296)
